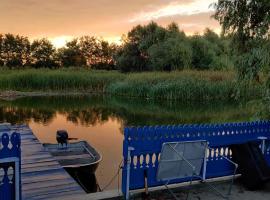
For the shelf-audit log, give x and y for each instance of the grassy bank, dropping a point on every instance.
(184, 85)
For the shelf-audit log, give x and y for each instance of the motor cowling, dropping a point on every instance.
(62, 137)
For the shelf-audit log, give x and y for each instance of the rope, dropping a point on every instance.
(113, 178)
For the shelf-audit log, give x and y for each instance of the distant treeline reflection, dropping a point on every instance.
(93, 110)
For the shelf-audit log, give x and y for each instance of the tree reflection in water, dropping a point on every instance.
(92, 110)
(99, 120)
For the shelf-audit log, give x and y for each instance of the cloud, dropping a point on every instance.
(192, 23)
(106, 18)
(174, 8)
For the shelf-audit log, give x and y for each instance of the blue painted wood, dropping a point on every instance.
(148, 141)
(9, 151)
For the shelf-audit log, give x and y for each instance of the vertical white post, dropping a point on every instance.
(205, 163)
(263, 143)
(17, 180)
(128, 171)
(263, 146)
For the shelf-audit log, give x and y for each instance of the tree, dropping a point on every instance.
(72, 55)
(105, 55)
(23, 50)
(203, 53)
(221, 47)
(1, 50)
(247, 21)
(98, 53)
(90, 49)
(9, 50)
(129, 58)
(145, 36)
(135, 52)
(174, 31)
(15, 50)
(158, 48)
(43, 54)
(172, 54)
(211, 36)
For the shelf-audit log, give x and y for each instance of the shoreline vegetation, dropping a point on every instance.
(186, 85)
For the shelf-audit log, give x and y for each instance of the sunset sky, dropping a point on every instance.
(61, 20)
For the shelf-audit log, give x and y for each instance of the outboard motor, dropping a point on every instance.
(62, 137)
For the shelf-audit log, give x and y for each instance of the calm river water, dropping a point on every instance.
(101, 120)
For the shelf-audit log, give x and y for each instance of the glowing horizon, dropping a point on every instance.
(63, 20)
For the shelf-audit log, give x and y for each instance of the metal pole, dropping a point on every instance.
(128, 171)
(17, 179)
(263, 143)
(205, 163)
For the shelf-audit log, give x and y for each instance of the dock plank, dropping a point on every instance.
(42, 176)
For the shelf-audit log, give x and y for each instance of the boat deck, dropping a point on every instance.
(75, 154)
(42, 175)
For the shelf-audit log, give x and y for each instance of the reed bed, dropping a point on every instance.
(187, 85)
(57, 80)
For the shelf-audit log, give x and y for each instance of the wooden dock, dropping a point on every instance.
(42, 176)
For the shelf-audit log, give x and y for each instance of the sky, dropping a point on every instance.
(62, 20)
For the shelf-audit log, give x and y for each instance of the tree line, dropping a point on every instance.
(244, 45)
(152, 47)
(145, 48)
(18, 52)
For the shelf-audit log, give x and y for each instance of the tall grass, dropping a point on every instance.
(187, 85)
(182, 86)
(57, 80)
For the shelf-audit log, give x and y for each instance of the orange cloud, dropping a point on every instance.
(55, 19)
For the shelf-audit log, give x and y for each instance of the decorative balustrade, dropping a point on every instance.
(10, 160)
(147, 143)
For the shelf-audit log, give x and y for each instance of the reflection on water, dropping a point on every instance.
(100, 120)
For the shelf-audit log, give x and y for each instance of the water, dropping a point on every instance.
(100, 120)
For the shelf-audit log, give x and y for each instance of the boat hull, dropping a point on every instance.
(76, 156)
(85, 179)
(84, 169)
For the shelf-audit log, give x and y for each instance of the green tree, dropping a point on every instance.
(90, 49)
(137, 47)
(129, 58)
(247, 21)
(15, 50)
(141, 38)
(71, 55)
(1, 50)
(106, 54)
(24, 50)
(221, 47)
(43, 54)
(174, 31)
(203, 53)
(98, 53)
(172, 54)
(9, 50)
